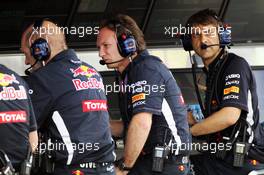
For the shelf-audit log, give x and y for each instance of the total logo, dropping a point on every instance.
(83, 70)
(6, 79)
(13, 117)
(94, 105)
(77, 172)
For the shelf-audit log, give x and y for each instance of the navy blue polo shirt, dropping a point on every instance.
(16, 116)
(236, 87)
(70, 103)
(150, 87)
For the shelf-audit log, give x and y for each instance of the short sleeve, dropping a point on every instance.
(147, 91)
(236, 85)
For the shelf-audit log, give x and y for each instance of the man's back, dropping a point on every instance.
(69, 99)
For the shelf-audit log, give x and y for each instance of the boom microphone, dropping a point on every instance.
(205, 46)
(102, 62)
(27, 71)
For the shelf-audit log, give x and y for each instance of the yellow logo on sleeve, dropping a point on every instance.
(231, 89)
(141, 96)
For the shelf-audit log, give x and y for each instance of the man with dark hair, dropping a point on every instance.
(70, 104)
(231, 108)
(153, 112)
(18, 129)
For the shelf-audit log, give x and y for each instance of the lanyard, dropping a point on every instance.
(123, 84)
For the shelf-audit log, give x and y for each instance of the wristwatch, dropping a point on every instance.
(122, 166)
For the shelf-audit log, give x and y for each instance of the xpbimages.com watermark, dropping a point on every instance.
(201, 147)
(80, 31)
(61, 146)
(137, 87)
(174, 31)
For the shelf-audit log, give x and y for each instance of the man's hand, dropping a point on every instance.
(190, 118)
(119, 172)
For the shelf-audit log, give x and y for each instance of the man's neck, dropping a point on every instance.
(122, 66)
(54, 53)
(208, 61)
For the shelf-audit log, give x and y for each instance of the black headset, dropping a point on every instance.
(40, 48)
(126, 42)
(224, 36)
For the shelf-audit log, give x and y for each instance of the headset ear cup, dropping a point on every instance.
(126, 44)
(40, 49)
(224, 36)
(187, 42)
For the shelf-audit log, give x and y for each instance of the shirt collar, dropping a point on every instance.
(142, 54)
(135, 61)
(68, 54)
(216, 60)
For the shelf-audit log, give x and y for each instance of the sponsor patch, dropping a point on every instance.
(138, 103)
(10, 93)
(76, 61)
(88, 165)
(232, 82)
(13, 117)
(6, 79)
(214, 103)
(139, 83)
(91, 83)
(231, 89)
(94, 105)
(141, 96)
(231, 97)
(84, 70)
(77, 172)
(231, 76)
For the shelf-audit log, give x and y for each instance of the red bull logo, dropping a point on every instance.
(6, 79)
(91, 83)
(77, 172)
(10, 93)
(83, 70)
